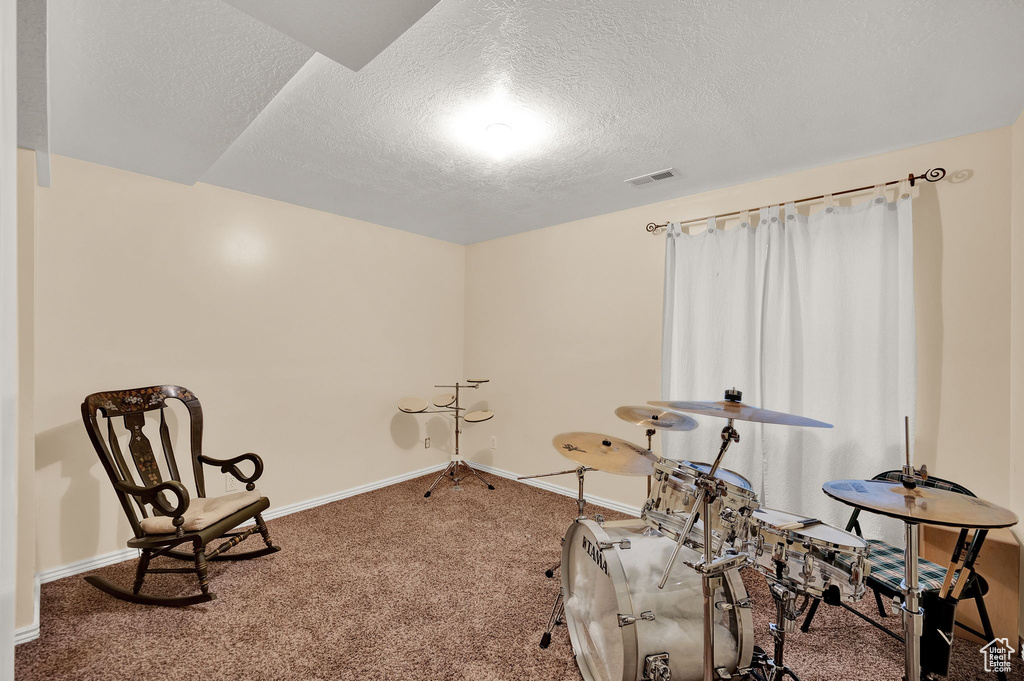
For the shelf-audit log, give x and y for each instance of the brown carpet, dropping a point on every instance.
(389, 585)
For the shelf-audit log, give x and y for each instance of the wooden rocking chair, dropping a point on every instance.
(174, 518)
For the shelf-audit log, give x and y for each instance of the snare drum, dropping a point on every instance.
(675, 491)
(617, 616)
(809, 560)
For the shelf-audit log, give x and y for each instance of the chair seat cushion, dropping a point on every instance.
(887, 563)
(202, 512)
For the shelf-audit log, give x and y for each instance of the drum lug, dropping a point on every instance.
(656, 668)
(599, 519)
(605, 545)
(626, 620)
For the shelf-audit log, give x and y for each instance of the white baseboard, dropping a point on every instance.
(31, 632)
(557, 489)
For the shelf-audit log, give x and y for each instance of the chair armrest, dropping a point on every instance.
(153, 495)
(230, 466)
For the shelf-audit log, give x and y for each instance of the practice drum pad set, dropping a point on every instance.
(629, 588)
(448, 403)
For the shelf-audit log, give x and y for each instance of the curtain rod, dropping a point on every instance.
(931, 175)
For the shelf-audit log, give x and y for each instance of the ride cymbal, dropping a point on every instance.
(605, 453)
(663, 419)
(732, 408)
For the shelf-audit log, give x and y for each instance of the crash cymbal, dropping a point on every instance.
(606, 453)
(926, 505)
(732, 408)
(656, 418)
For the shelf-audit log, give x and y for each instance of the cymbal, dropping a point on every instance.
(605, 453)
(656, 418)
(926, 505)
(732, 408)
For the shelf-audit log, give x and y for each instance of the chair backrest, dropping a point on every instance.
(131, 406)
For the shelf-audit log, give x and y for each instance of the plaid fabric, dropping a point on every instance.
(887, 567)
(937, 483)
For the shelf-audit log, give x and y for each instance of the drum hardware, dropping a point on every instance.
(457, 469)
(708, 486)
(786, 613)
(556, 618)
(915, 506)
(626, 620)
(580, 501)
(623, 544)
(656, 668)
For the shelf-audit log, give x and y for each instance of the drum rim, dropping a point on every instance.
(681, 466)
(800, 537)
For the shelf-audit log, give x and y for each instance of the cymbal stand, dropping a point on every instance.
(557, 609)
(913, 614)
(456, 465)
(711, 571)
(650, 447)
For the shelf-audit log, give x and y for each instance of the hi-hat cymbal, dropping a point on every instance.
(732, 408)
(656, 418)
(606, 453)
(926, 505)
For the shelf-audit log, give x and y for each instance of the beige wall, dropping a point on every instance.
(297, 329)
(25, 607)
(567, 320)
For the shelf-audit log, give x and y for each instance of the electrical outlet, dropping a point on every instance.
(232, 484)
(494, 442)
(426, 443)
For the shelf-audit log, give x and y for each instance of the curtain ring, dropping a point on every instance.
(745, 218)
(830, 203)
(879, 193)
(712, 225)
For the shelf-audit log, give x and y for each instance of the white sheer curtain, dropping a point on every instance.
(813, 316)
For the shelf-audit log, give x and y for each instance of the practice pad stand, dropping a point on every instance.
(457, 463)
(558, 608)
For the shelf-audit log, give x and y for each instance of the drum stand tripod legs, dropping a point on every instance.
(452, 471)
(556, 618)
(786, 612)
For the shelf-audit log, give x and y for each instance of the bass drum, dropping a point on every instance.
(602, 581)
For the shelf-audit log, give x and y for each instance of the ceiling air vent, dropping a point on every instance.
(651, 178)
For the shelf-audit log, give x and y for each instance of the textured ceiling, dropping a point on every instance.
(723, 91)
(160, 88)
(351, 32)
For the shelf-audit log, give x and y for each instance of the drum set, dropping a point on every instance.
(448, 403)
(660, 598)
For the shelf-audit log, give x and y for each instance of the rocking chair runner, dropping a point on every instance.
(174, 518)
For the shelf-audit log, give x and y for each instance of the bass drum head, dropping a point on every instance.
(479, 416)
(598, 585)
